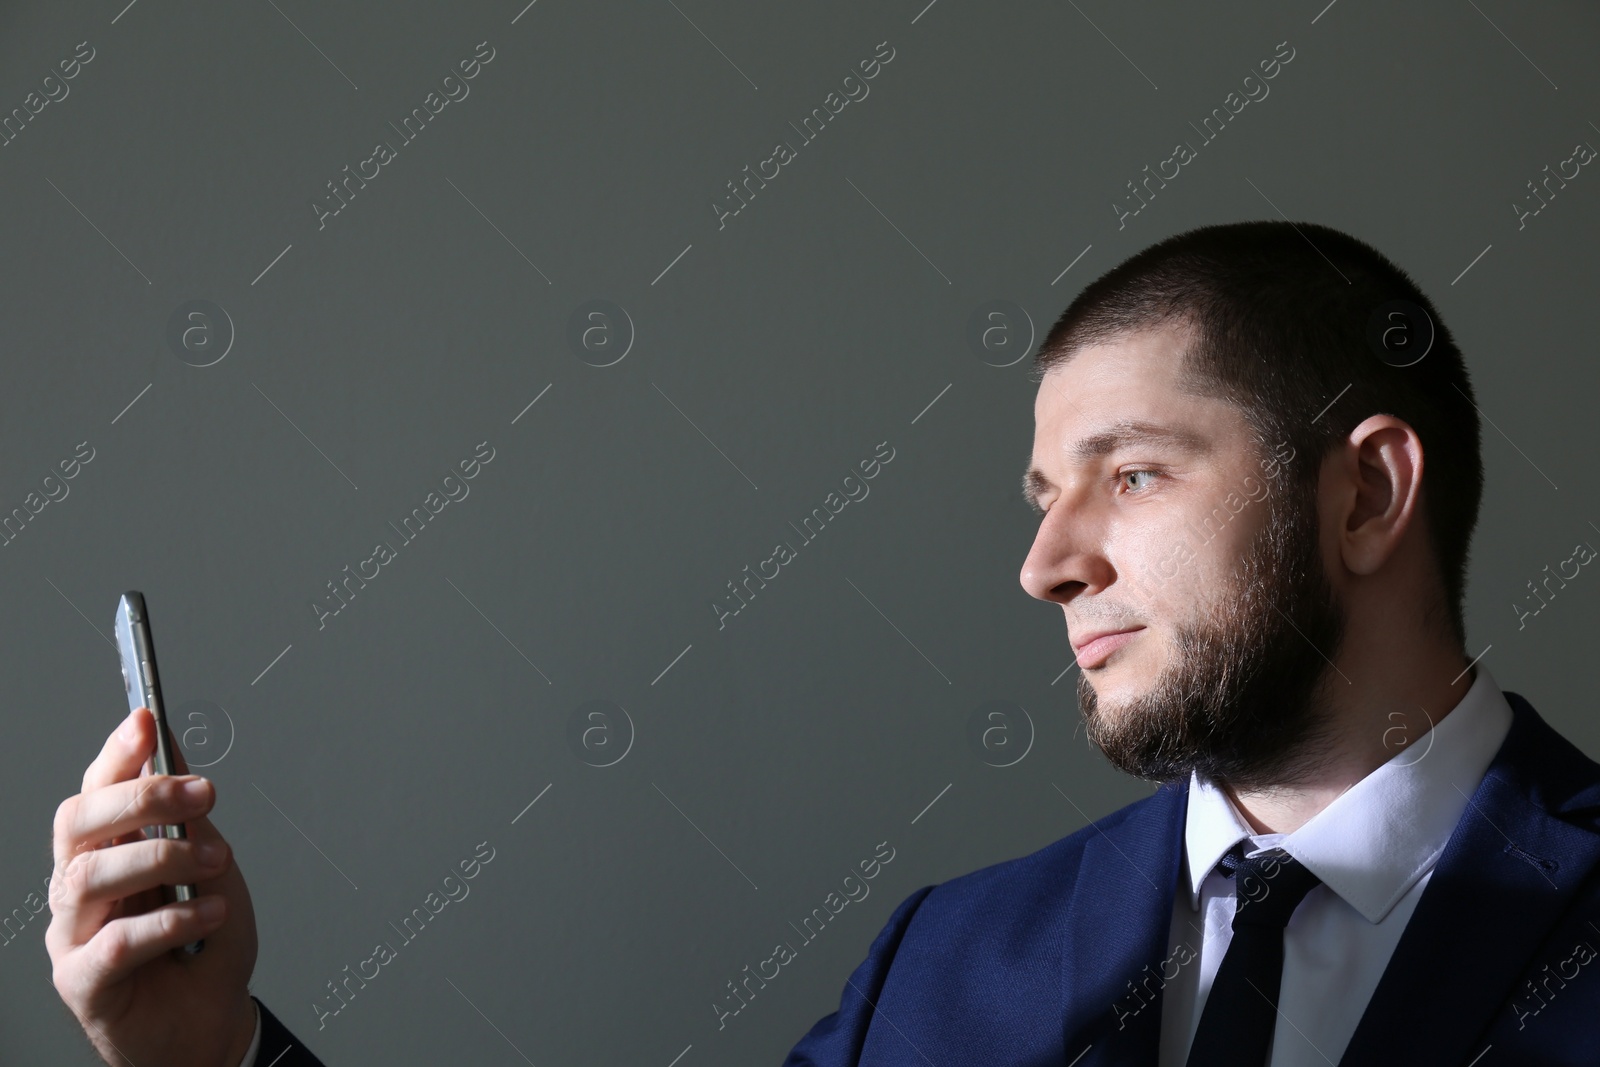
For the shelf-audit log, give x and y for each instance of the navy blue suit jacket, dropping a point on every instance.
(1034, 961)
(279, 1048)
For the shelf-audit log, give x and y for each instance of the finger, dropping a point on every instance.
(86, 890)
(125, 752)
(90, 820)
(123, 945)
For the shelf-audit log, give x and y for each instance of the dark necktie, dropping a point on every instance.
(1242, 1009)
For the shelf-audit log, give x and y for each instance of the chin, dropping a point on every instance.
(1126, 668)
(1121, 687)
(1113, 694)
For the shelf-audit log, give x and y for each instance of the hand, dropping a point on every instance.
(111, 934)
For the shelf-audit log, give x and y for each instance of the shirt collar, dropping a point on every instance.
(1373, 843)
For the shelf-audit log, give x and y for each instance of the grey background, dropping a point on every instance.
(772, 356)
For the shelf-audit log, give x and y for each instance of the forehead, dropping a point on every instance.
(1136, 378)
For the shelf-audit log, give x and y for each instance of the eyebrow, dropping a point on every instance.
(1104, 442)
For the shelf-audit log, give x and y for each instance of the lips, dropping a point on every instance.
(1095, 648)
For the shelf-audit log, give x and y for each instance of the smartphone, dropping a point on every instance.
(143, 684)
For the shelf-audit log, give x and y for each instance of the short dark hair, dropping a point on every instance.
(1282, 314)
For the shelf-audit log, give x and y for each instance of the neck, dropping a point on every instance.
(1382, 701)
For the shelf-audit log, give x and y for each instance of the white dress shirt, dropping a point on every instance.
(1374, 848)
(255, 1043)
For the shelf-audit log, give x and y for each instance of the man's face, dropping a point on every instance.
(1167, 527)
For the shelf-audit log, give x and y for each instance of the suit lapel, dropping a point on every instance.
(1116, 934)
(1509, 871)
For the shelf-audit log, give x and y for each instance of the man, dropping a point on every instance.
(1256, 464)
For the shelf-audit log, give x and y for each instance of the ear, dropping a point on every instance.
(1378, 490)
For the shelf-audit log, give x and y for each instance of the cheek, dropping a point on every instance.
(1175, 564)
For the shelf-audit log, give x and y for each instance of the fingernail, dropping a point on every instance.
(195, 790)
(129, 728)
(210, 908)
(210, 853)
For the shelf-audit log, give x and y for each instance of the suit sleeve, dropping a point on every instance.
(838, 1038)
(279, 1047)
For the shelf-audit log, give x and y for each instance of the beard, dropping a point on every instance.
(1242, 700)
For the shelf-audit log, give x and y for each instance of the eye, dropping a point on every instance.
(1130, 479)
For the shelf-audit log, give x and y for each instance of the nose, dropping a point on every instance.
(1067, 558)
